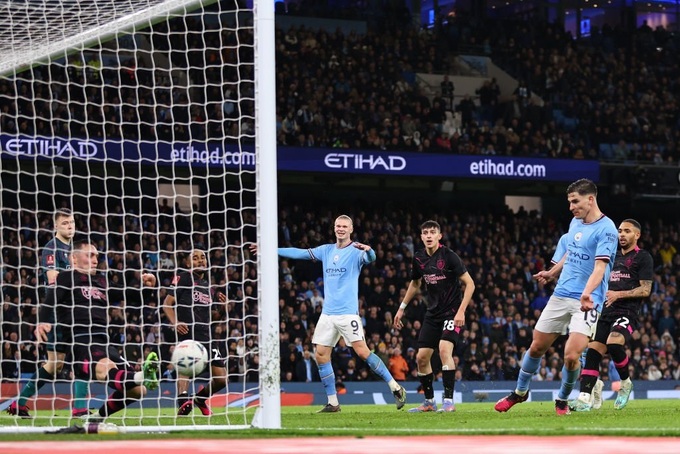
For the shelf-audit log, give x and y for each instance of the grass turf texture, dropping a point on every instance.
(642, 418)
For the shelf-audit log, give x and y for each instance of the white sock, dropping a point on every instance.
(333, 400)
(394, 386)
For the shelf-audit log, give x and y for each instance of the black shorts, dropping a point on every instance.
(624, 324)
(438, 328)
(217, 350)
(87, 352)
(54, 336)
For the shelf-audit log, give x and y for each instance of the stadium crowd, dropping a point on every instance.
(612, 96)
(501, 251)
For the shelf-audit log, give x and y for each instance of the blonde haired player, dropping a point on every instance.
(342, 263)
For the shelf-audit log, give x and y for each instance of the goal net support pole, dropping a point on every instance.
(268, 415)
(43, 35)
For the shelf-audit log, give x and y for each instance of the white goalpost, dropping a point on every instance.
(268, 415)
(154, 122)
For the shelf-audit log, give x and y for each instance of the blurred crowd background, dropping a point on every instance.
(612, 96)
(501, 250)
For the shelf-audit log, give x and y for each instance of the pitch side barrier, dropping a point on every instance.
(356, 393)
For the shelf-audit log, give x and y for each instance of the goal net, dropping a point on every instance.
(141, 117)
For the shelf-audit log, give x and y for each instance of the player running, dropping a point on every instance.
(578, 297)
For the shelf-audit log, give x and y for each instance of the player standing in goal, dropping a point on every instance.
(81, 298)
(53, 259)
(443, 272)
(342, 263)
(190, 310)
(630, 283)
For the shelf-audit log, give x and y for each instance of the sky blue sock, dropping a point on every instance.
(80, 391)
(378, 367)
(582, 359)
(327, 378)
(569, 378)
(529, 367)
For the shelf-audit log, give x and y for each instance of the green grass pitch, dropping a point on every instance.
(642, 418)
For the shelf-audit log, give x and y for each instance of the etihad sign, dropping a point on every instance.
(352, 161)
(50, 147)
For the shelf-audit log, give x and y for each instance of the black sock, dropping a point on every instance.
(618, 354)
(209, 390)
(114, 403)
(449, 380)
(591, 370)
(428, 389)
(121, 379)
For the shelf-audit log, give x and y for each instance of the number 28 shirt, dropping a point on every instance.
(441, 275)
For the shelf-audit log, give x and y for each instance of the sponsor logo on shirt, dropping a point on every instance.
(433, 278)
(578, 255)
(618, 275)
(92, 293)
(201, 297)
(333, 272)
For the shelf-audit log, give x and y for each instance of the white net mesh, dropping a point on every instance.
(37, 29)
(139, 117)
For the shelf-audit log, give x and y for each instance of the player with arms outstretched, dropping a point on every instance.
(189, 308)
(342, 263)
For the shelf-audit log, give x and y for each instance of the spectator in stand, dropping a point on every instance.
(398, 365)
(447, 90)
(306, 369)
